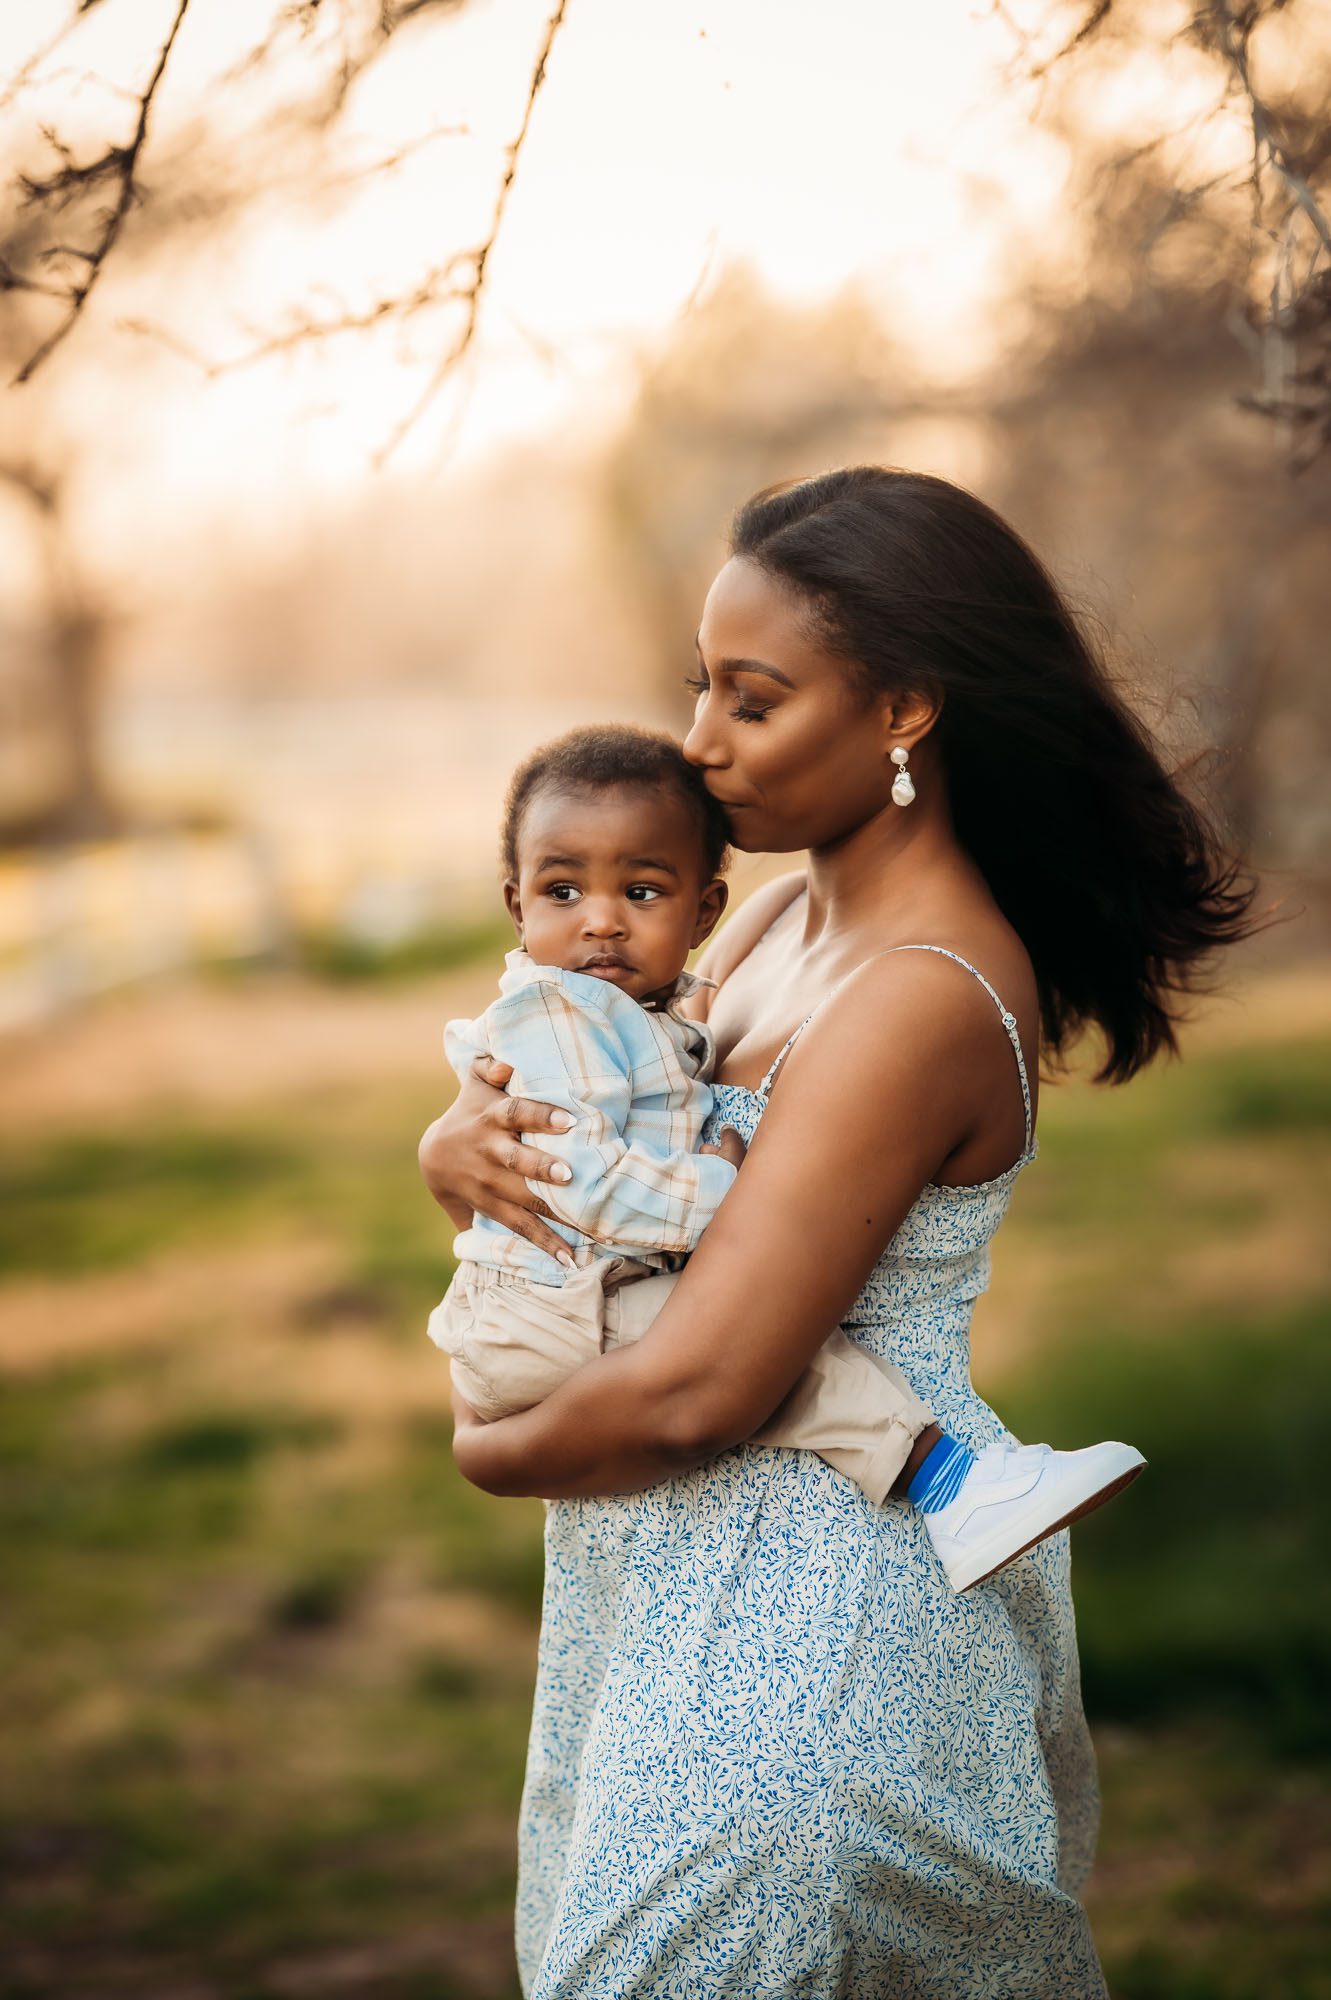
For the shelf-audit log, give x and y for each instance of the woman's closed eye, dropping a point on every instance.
(742, 711)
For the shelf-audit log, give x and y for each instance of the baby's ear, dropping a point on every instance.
(711, 904)
(513, 904)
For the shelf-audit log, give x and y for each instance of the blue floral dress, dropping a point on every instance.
(773, 1753)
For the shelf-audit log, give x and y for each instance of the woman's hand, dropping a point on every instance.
(473, 1159)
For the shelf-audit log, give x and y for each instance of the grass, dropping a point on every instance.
(1226, 1496)
(97, 1201)
(267, 1661)
(339, 955)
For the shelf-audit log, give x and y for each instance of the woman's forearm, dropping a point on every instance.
(600, 1432)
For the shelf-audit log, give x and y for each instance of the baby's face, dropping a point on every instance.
(611, 884)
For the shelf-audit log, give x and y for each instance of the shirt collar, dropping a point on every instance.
(521, 968)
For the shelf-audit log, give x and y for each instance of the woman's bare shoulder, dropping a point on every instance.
(743, 928)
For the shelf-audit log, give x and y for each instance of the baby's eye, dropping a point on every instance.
(644, 890)
(563, 892)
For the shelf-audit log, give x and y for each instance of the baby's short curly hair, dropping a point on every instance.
(613, 756)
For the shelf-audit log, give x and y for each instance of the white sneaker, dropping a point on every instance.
(1015, 1495)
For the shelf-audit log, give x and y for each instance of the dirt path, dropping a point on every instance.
(186, 1045)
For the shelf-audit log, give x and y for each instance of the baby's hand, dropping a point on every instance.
(731, 1148)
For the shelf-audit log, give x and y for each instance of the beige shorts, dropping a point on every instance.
(513, 1340)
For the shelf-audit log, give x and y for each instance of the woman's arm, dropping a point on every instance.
(838, 1159)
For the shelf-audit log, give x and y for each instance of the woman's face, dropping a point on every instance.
(793, 749)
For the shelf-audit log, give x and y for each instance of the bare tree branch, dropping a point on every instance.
(471, 293)
(118, 164)
(437, 287)
(1089, 28)
(352, 35)
(1287, 292)
(458, 281)
(394, 159)
(1235, 37)
(24, 75)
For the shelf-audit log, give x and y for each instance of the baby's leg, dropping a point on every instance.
(632, 1302)
(856, 1411)
(514, 1340)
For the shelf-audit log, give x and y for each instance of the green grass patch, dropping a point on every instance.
(339, 956)
(319, 1600)
(88, 1203)
(230, 1442)
(1200, 1589)
(1284, 1090)
(346, 1165)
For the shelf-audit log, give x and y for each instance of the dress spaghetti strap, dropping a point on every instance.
(1009, 1020)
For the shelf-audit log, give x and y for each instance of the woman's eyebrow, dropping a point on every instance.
(745, 667)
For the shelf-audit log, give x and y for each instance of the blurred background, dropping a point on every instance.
(379, 378)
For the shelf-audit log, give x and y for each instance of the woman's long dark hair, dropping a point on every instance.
(1115, 881)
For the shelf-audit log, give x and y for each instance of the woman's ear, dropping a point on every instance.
(710, 906)
(513, 904)
(907, 718)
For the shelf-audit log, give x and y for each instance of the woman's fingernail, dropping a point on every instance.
(559, 1172)
(567, 1261)
(562, 1121)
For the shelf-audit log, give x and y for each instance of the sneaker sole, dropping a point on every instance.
(1086, 1506)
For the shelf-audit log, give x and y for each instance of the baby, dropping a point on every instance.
(613, 854)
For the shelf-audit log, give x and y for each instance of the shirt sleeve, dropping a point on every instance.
(572, 1056)
(463, 1042)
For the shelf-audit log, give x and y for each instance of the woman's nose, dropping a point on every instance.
(700, 746)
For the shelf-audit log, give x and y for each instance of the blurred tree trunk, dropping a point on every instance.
(74, 632)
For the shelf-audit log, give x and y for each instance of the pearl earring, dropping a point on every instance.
(903, 791)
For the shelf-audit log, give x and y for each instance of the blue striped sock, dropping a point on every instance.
(940, 1474)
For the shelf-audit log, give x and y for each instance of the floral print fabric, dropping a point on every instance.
(773, 1753)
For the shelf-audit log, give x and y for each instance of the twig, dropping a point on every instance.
(119, 164)
(23, 76)
(471, 293)
(392, 160)
(1090, 27)
(1235, 39)
(1287, 285)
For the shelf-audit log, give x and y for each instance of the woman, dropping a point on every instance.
(773, 1752)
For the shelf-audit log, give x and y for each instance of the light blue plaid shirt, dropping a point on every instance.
(636, 1080)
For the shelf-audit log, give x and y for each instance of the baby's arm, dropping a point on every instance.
(730, 1146)
(571, 1055)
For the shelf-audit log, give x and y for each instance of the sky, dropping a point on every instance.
(847, 143)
